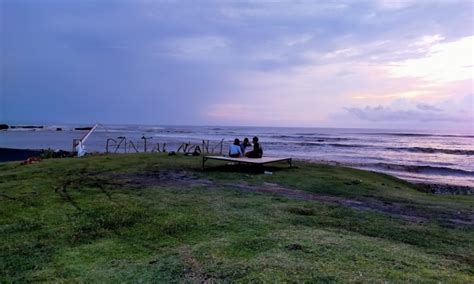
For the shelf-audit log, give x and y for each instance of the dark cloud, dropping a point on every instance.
(427, 107)
(426, 113)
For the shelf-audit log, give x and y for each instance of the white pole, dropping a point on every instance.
(81, 151)
(83, 139)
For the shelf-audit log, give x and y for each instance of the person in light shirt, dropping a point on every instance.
(234, 149)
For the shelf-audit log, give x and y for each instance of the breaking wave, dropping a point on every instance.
(420, 135)
(432, 150)
(332, 145)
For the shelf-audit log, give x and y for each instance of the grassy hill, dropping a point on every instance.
(152, 217)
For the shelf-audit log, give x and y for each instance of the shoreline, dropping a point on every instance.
(434, 187)
(18, 155)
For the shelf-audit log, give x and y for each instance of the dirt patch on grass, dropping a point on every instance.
(183, 178)
(371, 205)
(83, 179)
(194, 271)
(368, 204)
(162, 178)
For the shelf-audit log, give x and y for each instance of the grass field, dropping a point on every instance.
(155, 218)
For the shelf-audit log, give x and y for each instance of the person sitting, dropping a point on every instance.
(245, 144)
(257, 151)
(234, 149)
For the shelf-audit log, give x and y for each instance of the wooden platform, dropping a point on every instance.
(245, 160)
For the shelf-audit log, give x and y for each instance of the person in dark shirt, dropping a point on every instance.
(257, 151)
(245, 144)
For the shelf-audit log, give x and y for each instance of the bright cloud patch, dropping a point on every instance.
(444, 62)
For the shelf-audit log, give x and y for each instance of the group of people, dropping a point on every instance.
(237, 149)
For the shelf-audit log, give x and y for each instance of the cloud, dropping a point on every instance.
(427, 107)
(194, 47)
(427, 40)
(282, 9)
(297, 39)
(386, 114)
(215, 62)
(394, 4)
(260, 114)
(444, 62)
(413, 111)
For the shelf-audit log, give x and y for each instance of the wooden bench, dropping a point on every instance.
(245, 160)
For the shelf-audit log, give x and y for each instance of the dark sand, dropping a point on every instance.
(8, 154)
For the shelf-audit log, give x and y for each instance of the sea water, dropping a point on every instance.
(411, 155)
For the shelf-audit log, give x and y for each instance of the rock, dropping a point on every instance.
(3, 126)
(47, 154)
(447, 189)
(28, 126)
(59, 129)
(83, 128)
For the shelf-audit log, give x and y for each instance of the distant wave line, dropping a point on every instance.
(433, 150)
(420, 135)
(426, 150)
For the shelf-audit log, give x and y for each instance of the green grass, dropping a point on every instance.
(78, 220)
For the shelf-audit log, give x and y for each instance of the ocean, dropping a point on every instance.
(411, 155)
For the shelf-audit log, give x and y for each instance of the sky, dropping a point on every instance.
(374, 64)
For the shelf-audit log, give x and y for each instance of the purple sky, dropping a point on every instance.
(383, 64)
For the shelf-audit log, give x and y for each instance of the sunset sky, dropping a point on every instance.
(381, 64)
